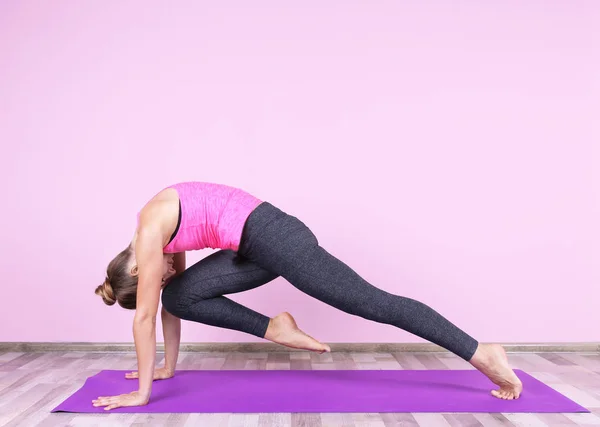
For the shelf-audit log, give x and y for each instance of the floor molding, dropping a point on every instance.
(250, 347)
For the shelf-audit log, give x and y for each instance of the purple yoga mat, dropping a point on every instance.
(321, 391)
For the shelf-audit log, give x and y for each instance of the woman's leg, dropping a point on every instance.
(281, 243)
(197, 295)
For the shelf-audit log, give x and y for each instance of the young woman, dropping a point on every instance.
(258, 243)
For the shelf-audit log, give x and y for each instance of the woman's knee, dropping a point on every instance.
(172, 300)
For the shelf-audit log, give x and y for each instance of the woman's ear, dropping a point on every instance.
(134, 270)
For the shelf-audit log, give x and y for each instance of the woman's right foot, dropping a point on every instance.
(284, 330)
(491, 360)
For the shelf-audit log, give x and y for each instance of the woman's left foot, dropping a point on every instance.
(284, 330)
(491, 360)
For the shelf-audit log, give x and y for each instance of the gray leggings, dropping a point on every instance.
(275, 244)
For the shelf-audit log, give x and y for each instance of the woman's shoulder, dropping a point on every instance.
(159, 209)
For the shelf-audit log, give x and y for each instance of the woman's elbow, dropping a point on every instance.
(143, 318)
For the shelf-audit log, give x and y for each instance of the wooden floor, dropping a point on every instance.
(31, 384)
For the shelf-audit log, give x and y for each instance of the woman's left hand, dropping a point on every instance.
(131, 399)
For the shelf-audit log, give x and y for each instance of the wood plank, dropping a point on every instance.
(493, 420)
(308, 419)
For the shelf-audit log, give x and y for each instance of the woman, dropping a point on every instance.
(258, 243)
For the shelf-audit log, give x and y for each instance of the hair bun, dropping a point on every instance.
(105, 290)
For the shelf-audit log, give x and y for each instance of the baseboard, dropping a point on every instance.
(252, 347)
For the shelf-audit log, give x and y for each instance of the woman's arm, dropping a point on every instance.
(172, 324)
(172, 335)
(149, 258)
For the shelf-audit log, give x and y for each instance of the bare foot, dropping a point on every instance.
(284, 330)
(491, 360)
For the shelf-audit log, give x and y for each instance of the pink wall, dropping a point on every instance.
(448, 153)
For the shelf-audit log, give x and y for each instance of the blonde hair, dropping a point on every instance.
(105, 290)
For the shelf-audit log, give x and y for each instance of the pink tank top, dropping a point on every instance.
(212, 216)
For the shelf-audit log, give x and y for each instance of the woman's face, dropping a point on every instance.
(167, 267)
(168, 270)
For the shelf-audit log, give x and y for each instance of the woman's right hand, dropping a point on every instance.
(159, 374)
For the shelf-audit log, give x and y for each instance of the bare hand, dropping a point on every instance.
(159, 374)
(131, 399)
